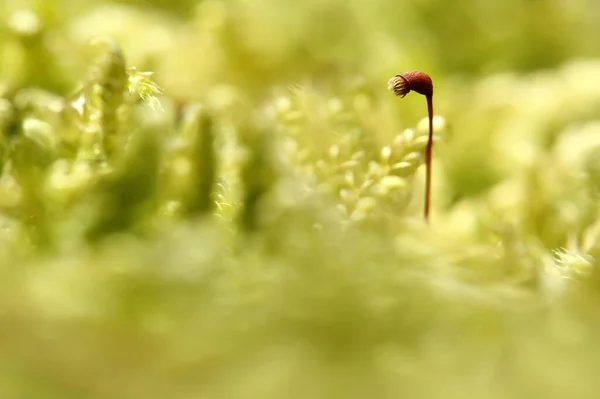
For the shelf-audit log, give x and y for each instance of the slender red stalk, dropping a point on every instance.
(421, 83)
(428, 153)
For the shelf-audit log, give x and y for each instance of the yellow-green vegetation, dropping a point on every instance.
(221, 199)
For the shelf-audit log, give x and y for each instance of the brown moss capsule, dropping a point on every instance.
(421, 83)
(415, 81)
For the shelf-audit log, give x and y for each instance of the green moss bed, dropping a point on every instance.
(221, 199)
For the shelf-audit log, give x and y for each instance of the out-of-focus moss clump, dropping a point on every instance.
(220, 199)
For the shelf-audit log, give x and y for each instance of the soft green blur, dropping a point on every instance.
(221, 199)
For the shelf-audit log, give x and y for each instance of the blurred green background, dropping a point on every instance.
(245, 221)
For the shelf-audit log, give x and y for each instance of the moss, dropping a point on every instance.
(208, 200)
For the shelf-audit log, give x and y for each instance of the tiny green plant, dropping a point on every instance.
(421, 83)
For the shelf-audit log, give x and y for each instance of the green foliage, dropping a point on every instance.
(221, 199)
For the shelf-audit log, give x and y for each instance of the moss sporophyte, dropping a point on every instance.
(421, 83)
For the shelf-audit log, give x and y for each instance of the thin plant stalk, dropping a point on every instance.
(421, 83)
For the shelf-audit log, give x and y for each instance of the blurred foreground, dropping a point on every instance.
(220, 199)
